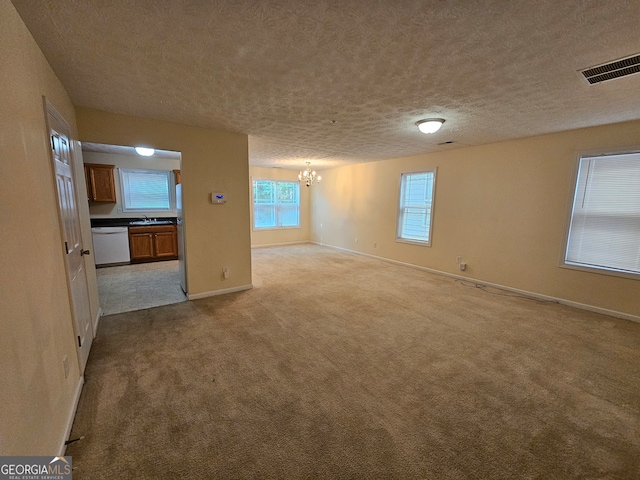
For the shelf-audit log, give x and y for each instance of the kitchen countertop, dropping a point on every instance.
(124, 222)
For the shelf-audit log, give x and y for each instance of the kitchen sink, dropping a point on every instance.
(151, 222)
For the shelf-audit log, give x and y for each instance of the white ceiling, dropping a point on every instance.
(282, 71)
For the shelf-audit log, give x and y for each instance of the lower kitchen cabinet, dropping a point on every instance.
(153, 243)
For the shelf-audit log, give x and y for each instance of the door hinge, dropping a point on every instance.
(79, 342)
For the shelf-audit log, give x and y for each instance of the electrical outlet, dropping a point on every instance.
(375, 244)
(463, 267)
(225, 272)
(65, 365)
(356, 239)
(458, 259)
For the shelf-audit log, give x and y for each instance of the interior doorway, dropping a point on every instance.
(136, 218)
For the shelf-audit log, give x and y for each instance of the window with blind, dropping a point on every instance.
(604, 232)
(415, 216)
(276, 204)
(144, 190)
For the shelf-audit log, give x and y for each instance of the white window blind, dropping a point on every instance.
(605, 221)
(276, 204)
(416, 204)
(145, 190)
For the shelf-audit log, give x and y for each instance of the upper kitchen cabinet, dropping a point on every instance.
(101, 186)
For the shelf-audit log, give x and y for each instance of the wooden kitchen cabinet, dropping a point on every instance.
(101, 186)
(165, 244)
(153, 243)
(141, 246)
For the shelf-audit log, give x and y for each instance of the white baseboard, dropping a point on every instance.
(266, 245)
(196, 296)
(62, 448)
(570, 303)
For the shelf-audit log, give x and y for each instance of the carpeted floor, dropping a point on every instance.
(338, 366)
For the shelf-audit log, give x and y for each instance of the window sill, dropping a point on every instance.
(601, 271)
(414, 242)
(262, 229)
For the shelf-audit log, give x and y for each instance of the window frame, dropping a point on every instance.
(399, 215)
(170, 193)
(253, 205)
(573, 190)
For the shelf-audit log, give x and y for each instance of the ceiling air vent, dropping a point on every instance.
(609, 71)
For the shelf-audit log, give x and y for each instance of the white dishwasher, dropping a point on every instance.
(110, 245)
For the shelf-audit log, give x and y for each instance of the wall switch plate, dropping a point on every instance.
(225, 272)
(459, 259)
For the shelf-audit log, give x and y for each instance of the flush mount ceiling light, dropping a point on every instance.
(430, 125)
(144, 151)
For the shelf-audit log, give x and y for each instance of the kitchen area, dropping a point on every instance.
(135, 207)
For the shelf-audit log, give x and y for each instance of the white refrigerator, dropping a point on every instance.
(182, 265)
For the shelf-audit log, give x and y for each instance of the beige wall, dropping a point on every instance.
(284, 235)
(37, 402)
(216, 236)
(502, 207)
(114, 210)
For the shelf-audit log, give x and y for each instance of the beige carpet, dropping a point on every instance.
(341, 366)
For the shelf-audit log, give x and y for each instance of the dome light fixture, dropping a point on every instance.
(430, 125)
(144, 151)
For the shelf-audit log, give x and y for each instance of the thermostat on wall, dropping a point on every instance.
(217, 198)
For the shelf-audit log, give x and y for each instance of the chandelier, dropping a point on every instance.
(308, 176)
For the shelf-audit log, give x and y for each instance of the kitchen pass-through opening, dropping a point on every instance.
(135, 206)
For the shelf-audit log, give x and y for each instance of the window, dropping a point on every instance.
(276, 204)
(416, 207)
(145, 190)
(604, 232)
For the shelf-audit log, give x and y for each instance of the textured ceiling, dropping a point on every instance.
(282, 71)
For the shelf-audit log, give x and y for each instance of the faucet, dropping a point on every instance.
(146, 219)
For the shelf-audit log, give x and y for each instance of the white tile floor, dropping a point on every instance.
(134, 287)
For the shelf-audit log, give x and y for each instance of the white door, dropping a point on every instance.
(72, 238)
